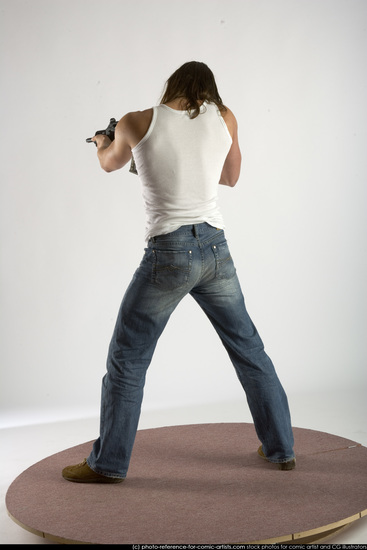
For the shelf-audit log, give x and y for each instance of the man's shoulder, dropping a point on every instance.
(134, 125)
(227, 113)
(230, 120)
(136, 119)
(134, 116)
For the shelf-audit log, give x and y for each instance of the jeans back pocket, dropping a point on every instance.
(224, 266)
(172, 268)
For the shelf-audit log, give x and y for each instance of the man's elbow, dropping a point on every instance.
(109, 162)
(233, 181)
(107, 169)
(227, 182)
(109, 166)
(231, 172)
(230, 179)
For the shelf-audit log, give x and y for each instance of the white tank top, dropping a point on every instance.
(179, 162)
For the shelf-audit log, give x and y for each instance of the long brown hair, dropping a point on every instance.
(194, 82)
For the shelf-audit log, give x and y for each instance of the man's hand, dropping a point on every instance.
(102, 141)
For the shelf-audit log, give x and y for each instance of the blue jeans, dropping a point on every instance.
(193, 260)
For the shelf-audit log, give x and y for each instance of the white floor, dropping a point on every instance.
(343, 414)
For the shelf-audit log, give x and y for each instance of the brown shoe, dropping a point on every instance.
(82, 473)
(290, 465)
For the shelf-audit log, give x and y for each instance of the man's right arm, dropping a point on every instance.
(232, 165)
(113, 155)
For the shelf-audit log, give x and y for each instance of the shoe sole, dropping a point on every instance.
(99, 480)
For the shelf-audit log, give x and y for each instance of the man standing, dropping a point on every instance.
(182, 149)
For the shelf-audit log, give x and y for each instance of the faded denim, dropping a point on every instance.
(193, 260)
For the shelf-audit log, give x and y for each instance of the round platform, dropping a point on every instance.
(199, 484)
